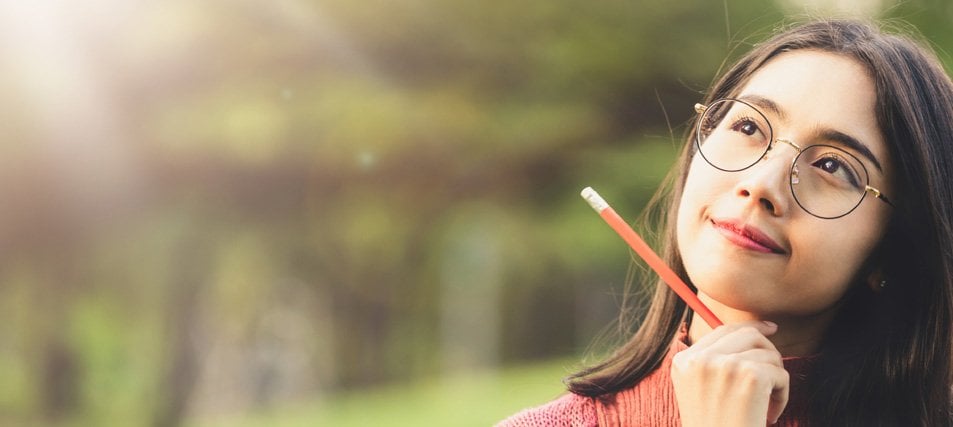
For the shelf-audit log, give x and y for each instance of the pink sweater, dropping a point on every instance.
(651, 402)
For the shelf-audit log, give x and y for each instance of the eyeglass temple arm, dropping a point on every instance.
(876, 193)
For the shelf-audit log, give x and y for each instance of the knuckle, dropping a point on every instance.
(729, 363)
(685, 361)
(750, 374)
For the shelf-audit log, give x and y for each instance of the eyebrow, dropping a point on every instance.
(765, 103)
(829, 134)
(851, 143)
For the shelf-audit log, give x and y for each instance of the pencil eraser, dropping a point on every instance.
(594, 199)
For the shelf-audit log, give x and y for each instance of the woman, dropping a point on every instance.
(813, 213)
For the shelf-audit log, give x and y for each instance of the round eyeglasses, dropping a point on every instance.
(826, 181)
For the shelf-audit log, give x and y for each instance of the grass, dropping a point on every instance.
(465, 399)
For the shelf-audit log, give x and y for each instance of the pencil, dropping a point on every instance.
(654, 261)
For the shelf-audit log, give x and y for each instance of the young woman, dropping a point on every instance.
(812, 210)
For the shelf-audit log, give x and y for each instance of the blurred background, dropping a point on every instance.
(335, 212)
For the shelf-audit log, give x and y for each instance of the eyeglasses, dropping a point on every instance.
(826, 181)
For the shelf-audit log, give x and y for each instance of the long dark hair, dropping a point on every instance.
(886, 358)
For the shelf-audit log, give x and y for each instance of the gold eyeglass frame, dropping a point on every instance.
(701, 109)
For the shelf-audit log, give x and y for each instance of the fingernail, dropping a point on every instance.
(769, 323)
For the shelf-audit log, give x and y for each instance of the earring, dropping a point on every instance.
(883, 284)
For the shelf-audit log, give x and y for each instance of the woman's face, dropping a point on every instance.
(745, 242)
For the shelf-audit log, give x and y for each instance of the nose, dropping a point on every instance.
(767, 182)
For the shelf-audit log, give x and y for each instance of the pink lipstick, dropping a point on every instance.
(748, 237)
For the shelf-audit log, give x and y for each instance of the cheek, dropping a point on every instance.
(823, 277)
(703, 185)
(687, 208)
(828, 257)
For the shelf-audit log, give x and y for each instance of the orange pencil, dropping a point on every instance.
(632, 238)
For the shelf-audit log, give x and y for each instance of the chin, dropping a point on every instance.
(736, 294)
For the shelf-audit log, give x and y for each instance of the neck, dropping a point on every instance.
(796, 335)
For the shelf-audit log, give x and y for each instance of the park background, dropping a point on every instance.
(336, 212)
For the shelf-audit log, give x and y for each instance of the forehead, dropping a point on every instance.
(817, 77)
(816, 89)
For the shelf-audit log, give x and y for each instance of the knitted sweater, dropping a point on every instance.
(651, 402)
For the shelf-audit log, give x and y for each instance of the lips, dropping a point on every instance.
(747, 236)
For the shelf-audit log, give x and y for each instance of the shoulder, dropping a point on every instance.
(569, 410)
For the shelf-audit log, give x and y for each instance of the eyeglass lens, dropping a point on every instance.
(827, 181)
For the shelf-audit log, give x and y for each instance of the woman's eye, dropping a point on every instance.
(829, 165)
(745, 126)
(834, 166)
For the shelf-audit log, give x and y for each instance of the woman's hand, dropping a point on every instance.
(733, 376)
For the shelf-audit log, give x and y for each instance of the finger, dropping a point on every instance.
(763, 355)
(770, 382)
(779, 395)
(766, 328)
(740, 339)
